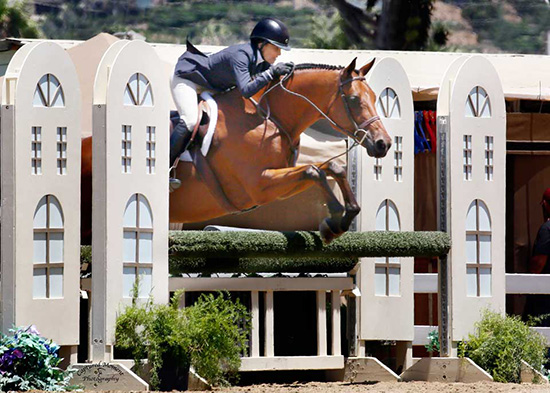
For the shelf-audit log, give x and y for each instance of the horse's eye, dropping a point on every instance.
(354, 101)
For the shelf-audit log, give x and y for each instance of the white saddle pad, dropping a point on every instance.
(207, 140)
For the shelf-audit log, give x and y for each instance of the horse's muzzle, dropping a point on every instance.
(376, 148)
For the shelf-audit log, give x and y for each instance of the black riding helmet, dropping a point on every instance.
(273, 31)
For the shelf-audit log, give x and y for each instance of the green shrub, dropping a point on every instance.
(501, 342)
(209, 335)
(433, 344)
(29, 362)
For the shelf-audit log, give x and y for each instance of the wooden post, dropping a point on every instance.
(354, 304)
(255, 333)
(404, 351)
(444, 225)
(9, 278)
(321, 323)
(99, 235)
(269, 325)
(336, 335)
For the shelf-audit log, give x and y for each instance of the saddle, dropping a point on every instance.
(203, 132)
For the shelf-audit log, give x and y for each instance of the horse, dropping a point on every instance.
(251, 161)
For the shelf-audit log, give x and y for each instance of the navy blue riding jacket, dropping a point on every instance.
(236, 65)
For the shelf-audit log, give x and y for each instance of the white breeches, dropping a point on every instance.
(185, 93)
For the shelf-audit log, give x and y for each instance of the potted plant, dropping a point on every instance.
(210, 335)
(29, 361)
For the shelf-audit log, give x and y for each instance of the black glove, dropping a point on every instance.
(280, 69)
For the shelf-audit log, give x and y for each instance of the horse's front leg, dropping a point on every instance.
(286, 182)
(338, 173)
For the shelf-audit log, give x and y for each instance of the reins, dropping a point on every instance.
(359, 129)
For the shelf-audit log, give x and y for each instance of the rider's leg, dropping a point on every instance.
(184, 93)
(179, 140)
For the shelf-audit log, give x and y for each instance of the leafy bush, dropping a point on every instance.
(209, 335)
(501, 342)
(29, 361)
(433, 344)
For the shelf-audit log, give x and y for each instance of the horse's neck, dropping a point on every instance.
(296, 114)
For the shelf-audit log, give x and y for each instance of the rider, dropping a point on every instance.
(248, 66)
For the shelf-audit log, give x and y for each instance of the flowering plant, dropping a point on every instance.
(29, 361)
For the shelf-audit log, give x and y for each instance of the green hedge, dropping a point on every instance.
(260, 265)
(204, 244)
(292, 252)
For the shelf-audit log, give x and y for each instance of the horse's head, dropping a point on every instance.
(354, 111)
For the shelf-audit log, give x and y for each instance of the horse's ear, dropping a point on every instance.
(350, 68)
(366, 68)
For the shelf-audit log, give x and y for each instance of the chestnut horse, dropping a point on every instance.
(251, 158)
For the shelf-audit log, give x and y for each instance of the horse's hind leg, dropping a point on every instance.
(286, 182)
(338, 173)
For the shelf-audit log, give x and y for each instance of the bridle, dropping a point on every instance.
(361, 128)
(358, 134)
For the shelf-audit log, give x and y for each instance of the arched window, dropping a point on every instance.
(388, 104)
(138, 247)
(478, 103)
(478, 249)
(48, 256)
(138, 91)
(387, 271)
(48, 93)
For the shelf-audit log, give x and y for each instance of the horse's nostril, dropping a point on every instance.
(380, 145)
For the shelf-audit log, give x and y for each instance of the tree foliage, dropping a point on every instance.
(388, 24)
(522, 32)
(15, 21)
(511, 26)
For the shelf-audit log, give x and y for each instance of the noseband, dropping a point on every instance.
(360, 132)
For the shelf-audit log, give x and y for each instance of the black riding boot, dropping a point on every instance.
(179, 141)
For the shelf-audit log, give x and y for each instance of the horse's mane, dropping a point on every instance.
(312, 66)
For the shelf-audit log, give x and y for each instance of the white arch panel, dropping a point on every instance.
(472, 98)
(130, 94)
(386, 317)
(47, 66)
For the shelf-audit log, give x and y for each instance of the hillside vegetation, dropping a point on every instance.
(514, 26)
(517, 26)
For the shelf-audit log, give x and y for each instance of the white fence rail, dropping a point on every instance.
(266, 287)
(516, 284)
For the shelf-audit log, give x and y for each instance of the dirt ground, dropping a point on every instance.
(390, 387)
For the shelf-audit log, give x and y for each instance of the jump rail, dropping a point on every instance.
(291, 252)
(249, 252)
(199, 244)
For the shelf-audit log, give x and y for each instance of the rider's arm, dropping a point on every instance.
(541, 250)
(246, 85)
(537, 263)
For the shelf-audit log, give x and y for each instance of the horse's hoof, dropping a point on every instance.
(327, 233)
(174, 184)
